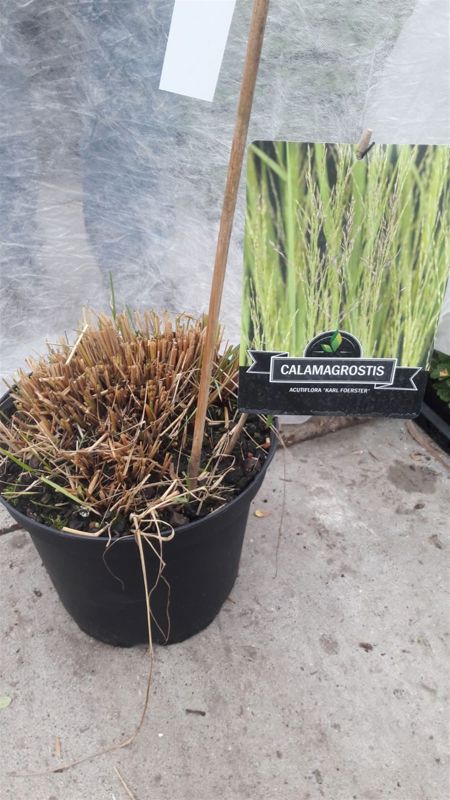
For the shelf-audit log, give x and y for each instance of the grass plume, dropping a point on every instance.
(333, 242)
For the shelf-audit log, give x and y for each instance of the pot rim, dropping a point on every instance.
(182, 528)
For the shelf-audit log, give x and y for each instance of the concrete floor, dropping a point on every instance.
(327, 681)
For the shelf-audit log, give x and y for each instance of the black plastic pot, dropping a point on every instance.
(434, 418)
(102, 588)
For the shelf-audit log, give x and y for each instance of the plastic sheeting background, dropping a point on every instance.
(102, 172)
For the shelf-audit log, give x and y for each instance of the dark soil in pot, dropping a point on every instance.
(48, 507)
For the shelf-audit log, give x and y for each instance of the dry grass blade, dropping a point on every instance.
(124, 784)
(102, 430)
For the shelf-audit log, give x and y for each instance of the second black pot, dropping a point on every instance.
(435, 418)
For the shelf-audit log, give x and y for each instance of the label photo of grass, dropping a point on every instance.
(336, 246)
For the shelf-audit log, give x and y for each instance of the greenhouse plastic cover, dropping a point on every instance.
(102, 172)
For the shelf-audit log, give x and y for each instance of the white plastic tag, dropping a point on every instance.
(195, 47)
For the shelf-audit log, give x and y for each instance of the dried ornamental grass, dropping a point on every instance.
(100, 437)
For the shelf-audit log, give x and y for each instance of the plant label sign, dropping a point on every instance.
(345, 268)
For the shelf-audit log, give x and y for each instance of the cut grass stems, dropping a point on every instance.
(100, 431)
(336, 243)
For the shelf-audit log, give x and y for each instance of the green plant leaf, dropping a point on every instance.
(271, 163)
(112, 300)
(326, 348)
(5, 701)
(336, 341)
(63, 491)
(440, 375)
(440, 370)
(45, 480)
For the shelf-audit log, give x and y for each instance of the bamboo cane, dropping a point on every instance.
(254, 46)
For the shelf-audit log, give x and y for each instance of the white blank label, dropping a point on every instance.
(197, 38)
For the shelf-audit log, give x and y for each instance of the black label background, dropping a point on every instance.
(256, 393)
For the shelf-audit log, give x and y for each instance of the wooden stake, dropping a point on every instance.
(254, 46)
